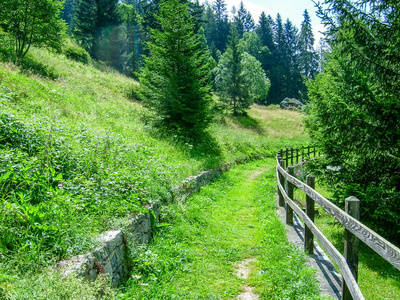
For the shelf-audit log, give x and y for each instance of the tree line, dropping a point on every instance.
(117, 33)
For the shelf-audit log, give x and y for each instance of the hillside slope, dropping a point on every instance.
(78, 155)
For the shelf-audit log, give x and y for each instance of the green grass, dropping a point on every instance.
(78, 155)
(228, 221)
(376, 277)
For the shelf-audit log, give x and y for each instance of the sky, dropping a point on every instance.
(292, 9)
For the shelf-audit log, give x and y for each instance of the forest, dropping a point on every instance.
(117, 34)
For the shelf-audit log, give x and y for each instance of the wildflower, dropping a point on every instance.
(60, 185)
(101, 167)
(336, 169)
(91, 178)
(108, 169)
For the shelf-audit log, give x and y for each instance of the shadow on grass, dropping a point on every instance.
(200, 146)
(28, 64)
(248, 122)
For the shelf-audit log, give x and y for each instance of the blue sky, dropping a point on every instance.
(292, 9)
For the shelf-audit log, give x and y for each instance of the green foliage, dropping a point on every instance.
(354, 112)
(243, 20)
(32, 23)
(175, 82)
(76, 53)
(260, 84)
(73, 130)
(54, 286)
(308, 57)
(240, 78)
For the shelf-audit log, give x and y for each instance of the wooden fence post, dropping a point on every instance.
(297, 155)
(310, 207)
(352, 207)
(291, 156)
(290, 188)
(282, 181)
(287, 158)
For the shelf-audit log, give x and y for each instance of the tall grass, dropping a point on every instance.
(78, 154)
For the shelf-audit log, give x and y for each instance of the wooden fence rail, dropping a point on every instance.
(354, 229)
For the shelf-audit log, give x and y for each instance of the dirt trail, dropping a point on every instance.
(243, 272)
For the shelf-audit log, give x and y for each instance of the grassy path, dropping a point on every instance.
(229, 223)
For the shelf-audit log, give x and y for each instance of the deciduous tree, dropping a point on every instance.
(32, 22)
(240, 78)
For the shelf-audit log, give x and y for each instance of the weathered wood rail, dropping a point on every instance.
(354, 229)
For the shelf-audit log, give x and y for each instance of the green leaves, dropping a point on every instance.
(240, 78)
(32, 22)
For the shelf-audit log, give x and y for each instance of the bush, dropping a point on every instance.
(77, 53)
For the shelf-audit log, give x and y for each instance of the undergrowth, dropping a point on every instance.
(78, 154)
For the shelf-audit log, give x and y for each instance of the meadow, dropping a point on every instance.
(79, 155)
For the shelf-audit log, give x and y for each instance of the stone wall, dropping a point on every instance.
(111, 258)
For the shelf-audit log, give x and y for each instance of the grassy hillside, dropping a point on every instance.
(78, 155)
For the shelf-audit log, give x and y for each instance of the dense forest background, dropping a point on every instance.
(116, 32)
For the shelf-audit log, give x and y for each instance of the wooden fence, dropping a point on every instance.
(354, 230)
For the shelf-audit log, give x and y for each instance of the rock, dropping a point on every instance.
(291, 103)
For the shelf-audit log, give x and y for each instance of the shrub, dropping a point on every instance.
(77, 53)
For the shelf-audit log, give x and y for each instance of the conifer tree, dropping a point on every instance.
(243, 20)
(354, 110)
(221, 24)
(292, 81)
(92, 17)
(175, 82)
(265, 31)
(239, 77)
(308, 57)
(68, 11)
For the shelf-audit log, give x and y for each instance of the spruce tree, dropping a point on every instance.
(354, 110)
(243, 20)
(265, 31)
(308, 57)
(239, 77)
(68, 11)
(293, 82)
(92, 21)
(175, 82)
(222, 25)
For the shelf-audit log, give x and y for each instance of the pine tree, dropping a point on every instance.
(293, 82)
(308, 57)
(221, 26)
(69, 11)
(175, 82)
(265, 31)
(239, 77)
(354, 110)
(243, 20)
(92, 19)
(229, 80)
